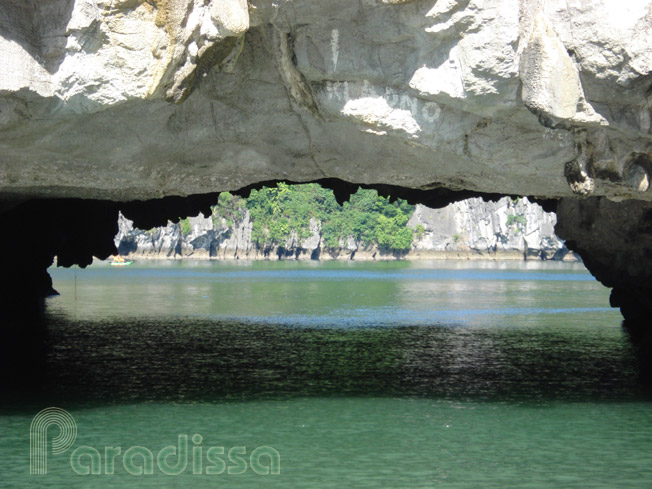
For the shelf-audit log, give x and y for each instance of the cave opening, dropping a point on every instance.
(77, 232)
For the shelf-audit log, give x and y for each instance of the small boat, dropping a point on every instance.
(118, 261)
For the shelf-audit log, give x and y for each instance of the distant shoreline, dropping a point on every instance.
(367, 256)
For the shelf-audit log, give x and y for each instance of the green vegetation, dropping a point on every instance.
(229, 207)
(186, 228)
(279, 213)
(517, 220)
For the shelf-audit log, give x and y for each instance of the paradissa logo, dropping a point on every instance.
(139, 460)
(38, 437)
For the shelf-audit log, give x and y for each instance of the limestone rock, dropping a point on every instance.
(551, 83)
(506, 226)
(470, 228)
(614, 240)
(139, 99)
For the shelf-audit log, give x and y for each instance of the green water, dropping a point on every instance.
(398, 375)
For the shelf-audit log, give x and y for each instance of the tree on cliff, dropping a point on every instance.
(284, 211)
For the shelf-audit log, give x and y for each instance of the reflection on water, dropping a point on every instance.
(178, 330)
(330, 293)
(205, 360)
(459, 375)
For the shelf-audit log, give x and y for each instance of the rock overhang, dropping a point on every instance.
(142, 99)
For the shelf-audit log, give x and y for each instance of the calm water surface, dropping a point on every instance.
(398, 375)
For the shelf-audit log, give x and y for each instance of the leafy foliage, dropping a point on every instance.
(517, 220)
(229, 207)
(186, 228)
(284, 212)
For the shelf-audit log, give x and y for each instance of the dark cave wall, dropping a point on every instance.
(75, 231)
(38, 230)
(615, 241)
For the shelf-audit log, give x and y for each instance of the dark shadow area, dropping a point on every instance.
(38, 26)
(23, 350)
(133, 360)
(640, 336)
(614, 240)
(73, 230)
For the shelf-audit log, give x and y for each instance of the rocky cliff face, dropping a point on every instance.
(135, 99)
(506, 229)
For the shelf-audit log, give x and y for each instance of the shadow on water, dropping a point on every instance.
(640, 336)
(24, 346)
(217, 332)
(98, 362)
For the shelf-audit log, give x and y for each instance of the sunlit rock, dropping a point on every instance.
(137, 99)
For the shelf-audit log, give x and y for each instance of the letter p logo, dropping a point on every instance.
(38, 437)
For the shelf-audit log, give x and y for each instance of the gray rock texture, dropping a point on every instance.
(615, 240)
(135, 99)
(469, 229)
(508, 227)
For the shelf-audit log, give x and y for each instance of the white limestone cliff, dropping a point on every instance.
(508, 226)
(469, 229)
(137, 99)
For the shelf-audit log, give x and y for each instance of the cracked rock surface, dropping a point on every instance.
(135, 99)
